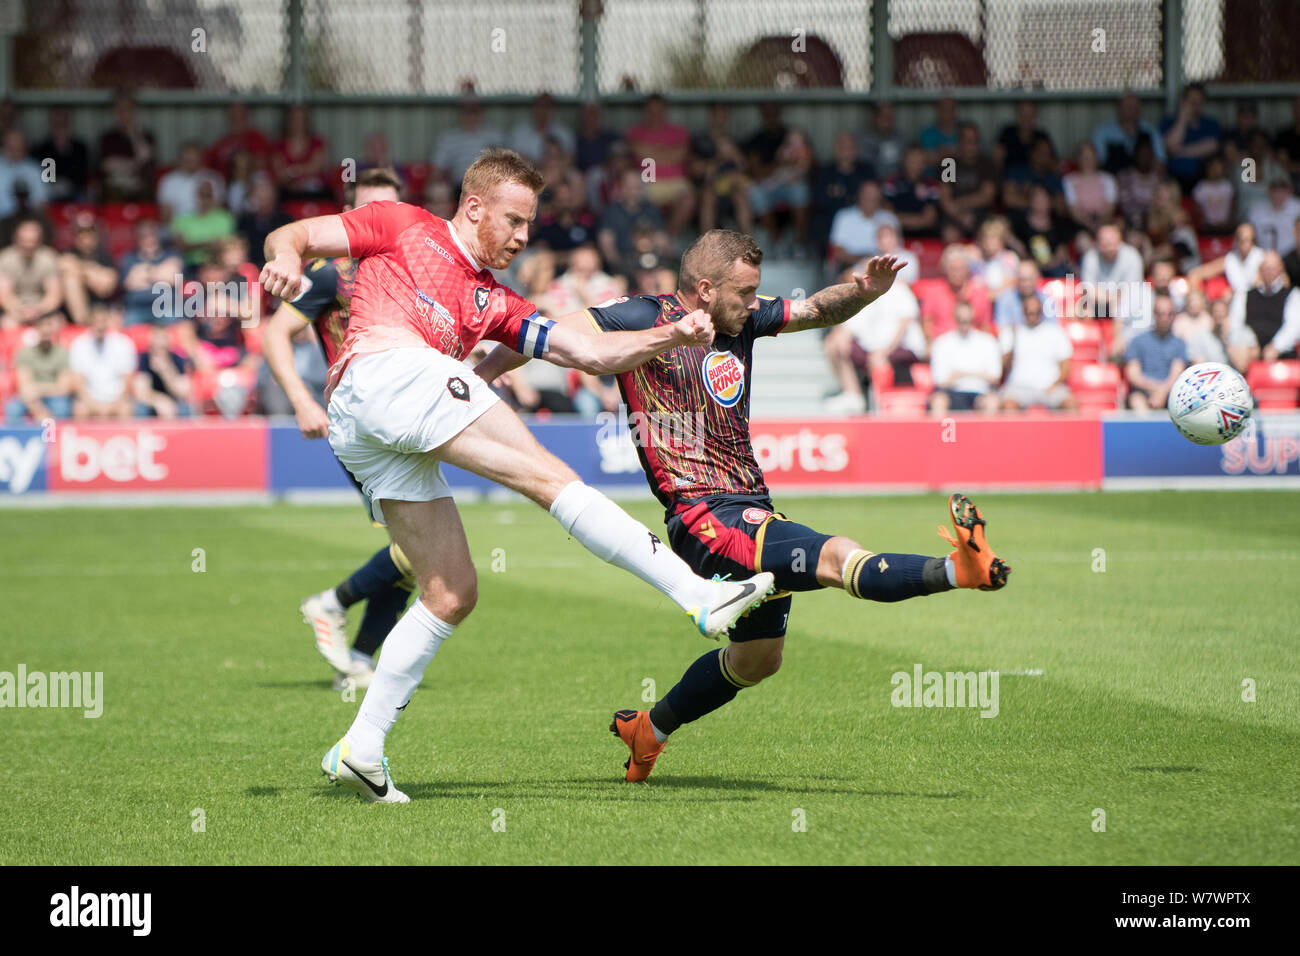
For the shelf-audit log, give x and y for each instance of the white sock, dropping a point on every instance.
(359, 657)
(408, 649)
(950, 569)
(330, 600)
(660, 736)
(612, 535)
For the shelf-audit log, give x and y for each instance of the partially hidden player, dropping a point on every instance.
(385, 581)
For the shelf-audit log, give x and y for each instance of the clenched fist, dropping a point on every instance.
(282, 276)
(694, 329)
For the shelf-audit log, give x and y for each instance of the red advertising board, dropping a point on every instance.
(176, 456)
(1026, 451)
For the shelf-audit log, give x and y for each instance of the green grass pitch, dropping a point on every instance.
(1121, 689)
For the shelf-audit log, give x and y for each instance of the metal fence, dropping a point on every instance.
(434, 48)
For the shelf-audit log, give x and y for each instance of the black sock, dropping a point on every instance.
(894, 577)
(382, 612)
(707, 685)
(374, 577)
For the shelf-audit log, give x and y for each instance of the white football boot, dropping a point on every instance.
(330, 629)
(359, 675)
(733, 599)
(371, 782)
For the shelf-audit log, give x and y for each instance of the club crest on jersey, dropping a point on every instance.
(480, 298)
(724, 377)
(458, 389)
(755, 515)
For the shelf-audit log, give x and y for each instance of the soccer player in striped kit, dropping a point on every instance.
(719, 514)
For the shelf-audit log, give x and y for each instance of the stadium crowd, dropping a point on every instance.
(128, 286)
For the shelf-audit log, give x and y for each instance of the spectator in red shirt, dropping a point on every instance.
(300, 161)
(668, 145)
(939, 301)
(242, 136)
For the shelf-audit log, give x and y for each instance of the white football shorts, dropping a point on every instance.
(391, 409)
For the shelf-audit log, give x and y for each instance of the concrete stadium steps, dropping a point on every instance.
(790, 376)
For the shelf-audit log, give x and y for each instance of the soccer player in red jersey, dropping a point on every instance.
(689, 412)
(401, 403)
(384, 582)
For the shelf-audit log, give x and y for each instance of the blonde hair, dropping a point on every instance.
(713, 256)
(496, 167)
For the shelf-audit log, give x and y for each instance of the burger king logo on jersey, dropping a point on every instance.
(724, 377)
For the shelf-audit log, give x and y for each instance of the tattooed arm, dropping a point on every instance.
(836, 303)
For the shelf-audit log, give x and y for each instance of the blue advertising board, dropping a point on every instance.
(23, 460)
(1154, 448)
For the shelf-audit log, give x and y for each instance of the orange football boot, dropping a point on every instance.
(633, 728)
(976, 564)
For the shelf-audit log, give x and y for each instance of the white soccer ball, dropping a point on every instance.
(1210, 403)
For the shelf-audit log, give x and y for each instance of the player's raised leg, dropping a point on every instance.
(498, 446)
(893, 576)
(432, 537)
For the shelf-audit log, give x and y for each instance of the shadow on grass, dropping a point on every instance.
(727, 789)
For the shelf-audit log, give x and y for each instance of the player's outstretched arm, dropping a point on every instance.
(837, 303)
(571, 346)
(322, 237)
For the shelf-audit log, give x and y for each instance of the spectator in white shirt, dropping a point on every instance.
(1037, 357)
(1271, 311)
(890, 242)
(1217, 341)
(854, 228)
(458, 148)
(1111, 260)
(528, 138)
(104, 361)
(886, 332)
(967, 367)
(1240, 265)
(1274, 220)
(178, 190)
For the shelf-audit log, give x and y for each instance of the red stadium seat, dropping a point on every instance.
(1276, 385)
(1217, 287)
(139, 335)
(928, 252)
(1211, 247)
(1058, 291)
(307, 208)
(1096, 385)
(63, 216)
(1085, 336)
(905, 399)
(70, 334)
(417, 178)
(119, 219)
(11, 340)
(253, 338)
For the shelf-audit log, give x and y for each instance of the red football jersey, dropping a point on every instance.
(417, 286)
